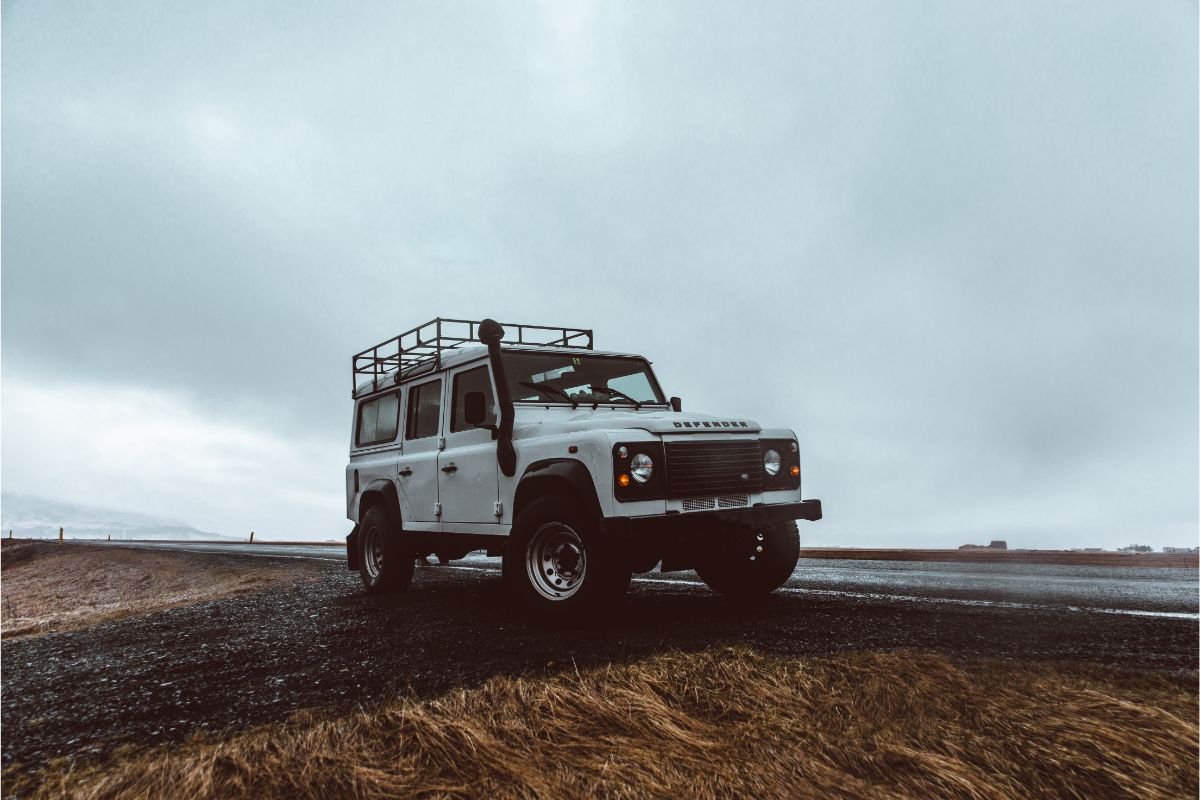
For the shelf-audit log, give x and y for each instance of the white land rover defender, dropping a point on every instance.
(568, 462)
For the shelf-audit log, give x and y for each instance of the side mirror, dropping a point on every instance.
(474, 408)
(676, 405)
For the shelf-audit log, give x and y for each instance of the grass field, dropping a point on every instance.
(725, 723)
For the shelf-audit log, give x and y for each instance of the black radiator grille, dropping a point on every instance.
(707, 469)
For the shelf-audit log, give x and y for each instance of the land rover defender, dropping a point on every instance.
(570, 463)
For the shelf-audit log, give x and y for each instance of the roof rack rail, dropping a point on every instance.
(423, 346)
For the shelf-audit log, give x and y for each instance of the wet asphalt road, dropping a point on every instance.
(1136, 590)
(322, 643)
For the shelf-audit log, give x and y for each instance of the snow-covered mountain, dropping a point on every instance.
(30, 516)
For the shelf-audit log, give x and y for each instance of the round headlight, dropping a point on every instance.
(641, 467)
(772, 462)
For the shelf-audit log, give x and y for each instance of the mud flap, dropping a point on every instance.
(352, 549)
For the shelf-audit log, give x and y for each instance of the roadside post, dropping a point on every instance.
(251, 537)
(60, 537)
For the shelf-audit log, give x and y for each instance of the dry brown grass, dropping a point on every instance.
(728, 723)
(47, 586)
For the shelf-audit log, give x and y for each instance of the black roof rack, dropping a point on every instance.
(423, 346)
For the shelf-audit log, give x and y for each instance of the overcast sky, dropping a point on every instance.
(953, 245)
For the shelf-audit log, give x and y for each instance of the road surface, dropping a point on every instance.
(1141, 591)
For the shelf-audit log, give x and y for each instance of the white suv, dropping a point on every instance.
(568, 462)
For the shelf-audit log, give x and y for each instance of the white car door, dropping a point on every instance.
(468, 475)
(417, 467)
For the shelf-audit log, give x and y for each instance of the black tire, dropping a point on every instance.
(384, 563)
(579, 572)
(736, 569)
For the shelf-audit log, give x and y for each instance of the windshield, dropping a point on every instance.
(566, 378)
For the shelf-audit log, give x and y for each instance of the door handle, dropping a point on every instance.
(404, 473)
(450, 468)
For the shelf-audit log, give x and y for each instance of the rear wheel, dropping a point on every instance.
(384, 564)
(752, 561)
(559, 564)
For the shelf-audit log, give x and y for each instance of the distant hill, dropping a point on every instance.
(30, 516)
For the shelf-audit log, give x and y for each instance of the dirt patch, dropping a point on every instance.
(48, 586)
(731, 722)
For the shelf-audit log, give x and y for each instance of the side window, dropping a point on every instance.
(473, 380)
(424, 403)
(389, 417)
(378, 420)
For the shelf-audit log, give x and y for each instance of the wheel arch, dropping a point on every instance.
(566, 476)
(379, 492)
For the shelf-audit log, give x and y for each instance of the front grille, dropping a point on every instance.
(708, 469)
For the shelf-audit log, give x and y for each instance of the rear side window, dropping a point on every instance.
(378, 420)
(424, 404)
(473, 380)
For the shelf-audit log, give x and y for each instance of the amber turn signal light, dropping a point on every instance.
(623, 480)
(795, 471)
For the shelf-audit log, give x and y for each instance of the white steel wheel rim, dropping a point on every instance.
(373, 551)
(556, 561)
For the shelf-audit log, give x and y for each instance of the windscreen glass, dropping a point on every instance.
(563, 378)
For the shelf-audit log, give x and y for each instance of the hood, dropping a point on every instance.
(658, 421)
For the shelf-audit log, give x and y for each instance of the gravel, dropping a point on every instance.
(257, 658)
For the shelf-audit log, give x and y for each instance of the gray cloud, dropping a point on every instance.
(954, 247)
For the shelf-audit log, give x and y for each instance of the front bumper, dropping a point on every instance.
(754, 516)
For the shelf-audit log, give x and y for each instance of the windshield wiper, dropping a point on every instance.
(547, 387)
(618, 393)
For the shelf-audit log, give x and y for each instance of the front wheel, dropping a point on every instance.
(749, 562)
(560, 564)
(383, 563)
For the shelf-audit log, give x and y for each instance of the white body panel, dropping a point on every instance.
(476, 498)
(469, 493)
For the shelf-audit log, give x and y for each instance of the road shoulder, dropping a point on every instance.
(49, 587)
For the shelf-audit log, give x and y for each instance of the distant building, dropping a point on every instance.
(1178, 550)
(998, 544)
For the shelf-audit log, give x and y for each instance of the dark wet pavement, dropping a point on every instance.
(1137, 589)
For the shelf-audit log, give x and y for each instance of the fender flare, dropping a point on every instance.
(377, 490)
(380, 490)
(549, 471)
